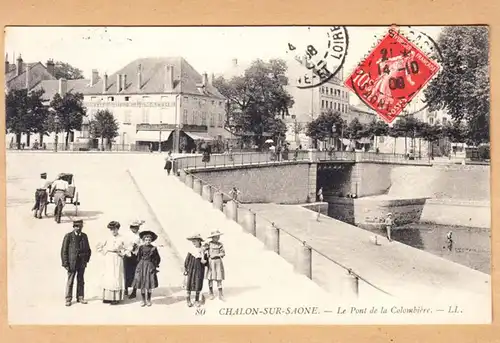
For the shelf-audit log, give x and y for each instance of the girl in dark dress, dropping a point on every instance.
(148, 259)
(194, 269)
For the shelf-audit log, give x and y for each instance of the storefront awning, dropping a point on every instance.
(364, 140)
(203, 136)
(152, 136)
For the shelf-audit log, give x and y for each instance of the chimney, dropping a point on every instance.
(94, 77)
(105, 83)
(235, 62)
(63, 87)
(124, 82)
(118, 83)
(51, 67)
(204, 81)
(139, 77)
(169, 78)
(19, 67)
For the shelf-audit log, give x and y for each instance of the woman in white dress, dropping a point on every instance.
(114, 249)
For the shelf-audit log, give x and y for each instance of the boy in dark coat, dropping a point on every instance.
(75, 254)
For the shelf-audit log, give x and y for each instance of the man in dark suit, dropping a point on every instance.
(75, 254)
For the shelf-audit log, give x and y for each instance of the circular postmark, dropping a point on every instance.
(321, 53)
(392, 76)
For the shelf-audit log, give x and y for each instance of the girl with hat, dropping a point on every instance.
(194, 269)
(130, 261)
(148, 259)
(215, 254)
(114, 248)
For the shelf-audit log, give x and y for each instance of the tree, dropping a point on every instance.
(63, 70)
(377, 128)
(69, 111)
(462, 88)
(38, 114)
(321, 128)
(16, 108)
(257, 101)
(104, 126)
(431, 133)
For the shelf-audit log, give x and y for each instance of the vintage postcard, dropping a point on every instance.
(248, 175)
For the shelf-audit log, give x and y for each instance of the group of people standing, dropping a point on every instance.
(129, 262)
(132, 262)
(55, 189)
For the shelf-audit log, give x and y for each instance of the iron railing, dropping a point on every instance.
(263, 158)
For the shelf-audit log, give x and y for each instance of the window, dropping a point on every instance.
(186, 98)
(204, 118)
(127, 98)
(221, 120)
(193, 118)
(213, 102)
(431, 121)
(212, 120)
(331, 91)
(185, 117)
(322, 103)
(322, 90)
(127, 117)
(220, 103)
(111, 98)
(145, 114)
(445, 120)
(331, 104)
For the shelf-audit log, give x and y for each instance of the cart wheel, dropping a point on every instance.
(76, 204)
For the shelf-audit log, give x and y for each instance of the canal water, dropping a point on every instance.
(471, 246)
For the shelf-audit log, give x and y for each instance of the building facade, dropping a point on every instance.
(160, 102)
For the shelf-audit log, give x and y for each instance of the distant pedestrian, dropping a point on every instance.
(215, 254)
(234, 193)
(389, 223)
(296, 154)
(168, 162)
(41, 196)
(75, 254)
(320, 199)
(194, 269)
(449, 240)
(147, 267)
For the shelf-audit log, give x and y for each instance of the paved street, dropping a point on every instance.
(256, 279)
(107, 192)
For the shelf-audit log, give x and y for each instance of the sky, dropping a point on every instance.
(207, 49)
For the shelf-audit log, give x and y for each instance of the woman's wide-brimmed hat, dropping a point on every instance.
(137, 222)
(389, 214)
(145, 233)
(215, 233)
(113, 225)
(195, 237)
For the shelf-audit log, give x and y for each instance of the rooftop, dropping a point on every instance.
(153, 75)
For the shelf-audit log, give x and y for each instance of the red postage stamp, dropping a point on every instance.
(392, 75)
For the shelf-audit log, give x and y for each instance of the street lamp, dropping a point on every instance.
(159, 142)
(56, 127)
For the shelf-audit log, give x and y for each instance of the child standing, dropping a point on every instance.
(194, 269)
(215, 254)
(148, 259)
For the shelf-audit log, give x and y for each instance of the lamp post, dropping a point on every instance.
(159, 141)
(56, 127)
(176, 138)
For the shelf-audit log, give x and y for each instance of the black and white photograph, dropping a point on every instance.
(248, 175)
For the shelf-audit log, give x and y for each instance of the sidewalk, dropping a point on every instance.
(254, 275)
(398, 269)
